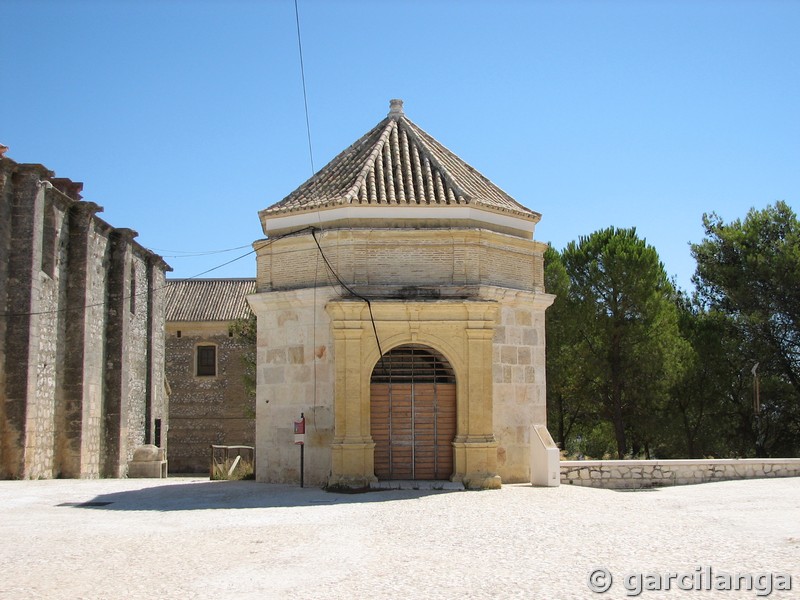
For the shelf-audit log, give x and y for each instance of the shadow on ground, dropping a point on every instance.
(206, 495)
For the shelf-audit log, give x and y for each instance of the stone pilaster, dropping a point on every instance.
(25, 198)
(476, 447)
(115, 412)
(352, 458)
(69, 412)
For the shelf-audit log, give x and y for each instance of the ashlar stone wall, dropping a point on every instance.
(518, 371)
(440, 272)
(429, 257)
(295, 375)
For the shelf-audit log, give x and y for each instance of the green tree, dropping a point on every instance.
(626, 345)
(567, 409)
(707, 400)
(750, 270)
(244, 332)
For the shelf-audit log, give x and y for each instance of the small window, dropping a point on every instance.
(49, 235)
(179, 333)
(206, 361)
(133, 287)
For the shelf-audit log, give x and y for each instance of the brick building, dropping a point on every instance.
(81, 333)
(400, 304)
(209, 401)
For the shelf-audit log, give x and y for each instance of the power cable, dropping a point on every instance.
(193, 253)
(314, 230)
(153, 290)
(311, 158)
(303, 78)
(122, 298)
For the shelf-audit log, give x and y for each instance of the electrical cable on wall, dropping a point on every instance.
(353, 293)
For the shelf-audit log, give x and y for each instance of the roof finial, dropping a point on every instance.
(395, 107)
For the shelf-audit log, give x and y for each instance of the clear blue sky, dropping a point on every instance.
(183, 119)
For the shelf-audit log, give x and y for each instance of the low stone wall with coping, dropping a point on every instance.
(638, 474)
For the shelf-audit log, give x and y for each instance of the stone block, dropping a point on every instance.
(148, 461)
(523, 317)
(530, 337)
(530, 375)
(524, 355)
(513, 336)
(295, 355)
(508, 355)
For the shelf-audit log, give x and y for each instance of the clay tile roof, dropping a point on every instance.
(394, 164)
(208, 299)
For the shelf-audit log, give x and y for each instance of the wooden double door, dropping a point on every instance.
(413, 415)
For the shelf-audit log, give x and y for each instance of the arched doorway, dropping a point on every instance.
(413, 414)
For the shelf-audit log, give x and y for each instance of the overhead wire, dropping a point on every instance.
(121, 298)
(148, 290)
(313, 190)
(313, 170)
(303, 79)
(194, 253)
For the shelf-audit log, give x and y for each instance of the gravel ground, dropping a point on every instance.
(192, 538)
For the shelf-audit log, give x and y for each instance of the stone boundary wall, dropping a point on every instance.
(639, 474)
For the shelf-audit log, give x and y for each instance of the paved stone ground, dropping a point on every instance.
(192, 538)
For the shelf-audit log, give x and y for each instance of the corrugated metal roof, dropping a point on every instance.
(208, 299)
(398, 164)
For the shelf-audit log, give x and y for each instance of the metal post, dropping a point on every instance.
(756, 391)
(760, 431)
(302, 449)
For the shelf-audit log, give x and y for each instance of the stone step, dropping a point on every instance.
(409, 484)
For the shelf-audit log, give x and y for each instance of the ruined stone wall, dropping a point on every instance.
(93, 363)
(115, 375)
(48, 333)
(5, 253)
(136, 357)
(205, 410)
(20, 253)
(158, 384)
(56, 274)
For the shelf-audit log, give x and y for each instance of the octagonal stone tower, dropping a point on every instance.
(400, 304)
